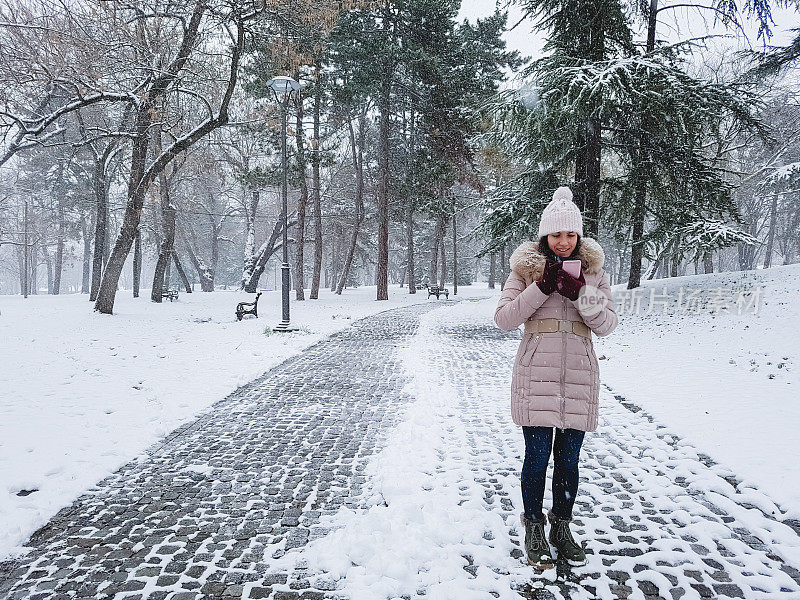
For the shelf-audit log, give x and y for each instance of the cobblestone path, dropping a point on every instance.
(204, 512)
(659, 520)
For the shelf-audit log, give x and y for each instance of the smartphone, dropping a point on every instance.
(573, 267)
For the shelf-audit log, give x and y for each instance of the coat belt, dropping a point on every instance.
(555, 325)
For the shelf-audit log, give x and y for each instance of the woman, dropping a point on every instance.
(555, 379)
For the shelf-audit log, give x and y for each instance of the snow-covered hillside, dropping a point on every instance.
(727, 382)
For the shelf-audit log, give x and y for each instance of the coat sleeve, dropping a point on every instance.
(605, 321)
(517, 302)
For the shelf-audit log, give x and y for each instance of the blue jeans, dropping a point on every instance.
(566, 450)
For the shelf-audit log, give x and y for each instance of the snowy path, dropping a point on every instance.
(658, 519)
(82, 394)
(211, 511)
(382, 463)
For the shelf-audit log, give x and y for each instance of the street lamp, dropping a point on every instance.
(283, 87)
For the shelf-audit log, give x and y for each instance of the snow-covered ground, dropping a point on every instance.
(83, 393)
(431, 529)
(425, 506)
(728, 383)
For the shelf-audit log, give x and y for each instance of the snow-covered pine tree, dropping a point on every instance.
(655, 120)
(701, 236)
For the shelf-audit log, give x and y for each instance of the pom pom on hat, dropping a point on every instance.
(561, 214)
(563, 192)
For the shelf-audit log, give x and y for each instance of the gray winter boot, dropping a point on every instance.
(565, 545)
(536, 547)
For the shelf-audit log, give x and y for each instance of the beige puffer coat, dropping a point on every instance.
(556, 378)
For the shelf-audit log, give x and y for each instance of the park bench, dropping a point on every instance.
(171, 294)
(435, 290)
(247, 308)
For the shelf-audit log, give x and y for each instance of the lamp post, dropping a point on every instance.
(283, 87)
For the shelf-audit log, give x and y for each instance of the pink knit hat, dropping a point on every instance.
(561, 214)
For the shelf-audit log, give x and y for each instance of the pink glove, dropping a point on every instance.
(568, 286)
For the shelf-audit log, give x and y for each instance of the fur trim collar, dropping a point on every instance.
(528, 262)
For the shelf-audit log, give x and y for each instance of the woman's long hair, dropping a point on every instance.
(544, 248)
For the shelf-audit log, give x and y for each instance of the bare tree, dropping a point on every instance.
(131, 36)
(357, 150)
(270, 246)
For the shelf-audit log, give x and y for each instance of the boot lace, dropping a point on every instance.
(563, 534)
(538, 534)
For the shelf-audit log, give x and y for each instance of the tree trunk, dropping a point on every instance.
(48, 262)
(251, 209)
(747, 252)
(133, 209)
(443, 266)
(335, 251)
(659, 268)
(434, 251)
(204, 273)
(107, 237)
(652, 21)
(708, 263)
(502, 266)
(168, 273)
(22, 267)
(654, 269)
(675, 258)
(639, 213)
(455, 256)
(299, 275)
(412, 279)
(101, 219)
(332, 268)
(594, 149)
(640, 203)
(267, 249)
(771, 233)
(384, 108)
(492, 261)
(357, 148)
(621, 258)
(182, 273)
(315, 183)
(580, 170)
(58, 260)
(33, 280)
(137, 263)
(214, 231)
(87, 254)
(168, 213)
(740, 248)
